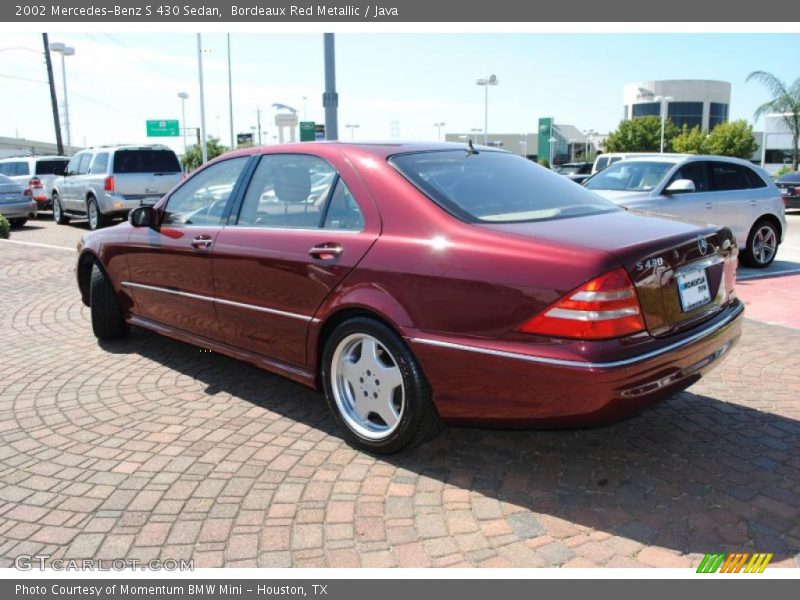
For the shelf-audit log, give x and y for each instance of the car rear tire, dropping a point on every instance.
(107, 320)
(96, 219)
(762, 245)
(375, 389)
(17, 222)
(58, 212)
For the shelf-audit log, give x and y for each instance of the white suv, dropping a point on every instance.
(706, 189)
(104, 183)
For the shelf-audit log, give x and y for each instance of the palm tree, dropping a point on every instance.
(785, 102)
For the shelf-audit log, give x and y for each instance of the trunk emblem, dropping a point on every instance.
(702, 245)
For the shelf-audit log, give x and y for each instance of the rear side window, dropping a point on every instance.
(100, 164)
(602, 163)
(729, 176)
(50, 166)
(754, 180)
(146, 161)
(83, 166)
(287, 191)
(497, 187)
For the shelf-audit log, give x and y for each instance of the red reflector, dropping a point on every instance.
(108, 184)
(605, 307)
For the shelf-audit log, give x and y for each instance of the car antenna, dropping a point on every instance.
(471, 148)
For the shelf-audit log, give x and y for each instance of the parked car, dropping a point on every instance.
(789, 185)
(429, 282)
(606, 160)
(37, 172)
(15, 204)
(101, 184)
(576, 171)
(704, 189)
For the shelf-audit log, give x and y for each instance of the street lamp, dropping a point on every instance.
(663, 100)
(183, 96)
(352, 127)
(305, 108)
(64, 51)
(552, 140)
(486, 82)
(439, 130)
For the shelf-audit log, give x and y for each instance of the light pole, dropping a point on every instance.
(203, 147)
(439, 130)
(664, 100)
(230, 92)
(183, 96)
(330, 99)
(587, 133)
(352, 127)
(552, 141)
(65, 51)
(486, 82)
(305, 108)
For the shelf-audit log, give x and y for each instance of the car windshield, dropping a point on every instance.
(496, 187)
(146, 161)
(630, 176)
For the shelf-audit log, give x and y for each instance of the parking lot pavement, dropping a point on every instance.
(150, 448)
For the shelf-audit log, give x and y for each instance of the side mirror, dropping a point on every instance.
(680, 186)
(144, 216)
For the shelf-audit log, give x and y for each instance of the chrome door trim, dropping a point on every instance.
(264, 309)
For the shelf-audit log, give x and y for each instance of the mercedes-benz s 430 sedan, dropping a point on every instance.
(421, 284)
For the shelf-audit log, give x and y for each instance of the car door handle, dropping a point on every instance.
(326, 251)
(202, 242)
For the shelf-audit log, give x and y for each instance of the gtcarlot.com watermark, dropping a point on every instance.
(42, 562)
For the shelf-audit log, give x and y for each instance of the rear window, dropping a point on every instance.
(14, 169)
(496, 187)
(50, 166)
(146, 161)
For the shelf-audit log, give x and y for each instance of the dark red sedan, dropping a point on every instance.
(422, 283)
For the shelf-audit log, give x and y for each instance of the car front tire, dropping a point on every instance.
(762, 245)
(58, 212)
(107, 320)
(375, 389)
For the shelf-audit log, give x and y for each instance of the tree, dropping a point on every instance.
(641, 135)
(194, 155)
(731, 139)
(690, 141)
(544, 162)
(726, 139)
(785, 101)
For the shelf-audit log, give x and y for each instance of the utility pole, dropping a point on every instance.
(53, 99)
(330, 99)
(258, 124)
(230, 92)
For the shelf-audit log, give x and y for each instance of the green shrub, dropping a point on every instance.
(782, 171)
(544, 162)
(5, 228)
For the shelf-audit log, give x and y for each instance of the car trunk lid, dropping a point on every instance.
(683, 273)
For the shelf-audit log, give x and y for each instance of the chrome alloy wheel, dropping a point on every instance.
(92, 215)
(765, 243)
(367, 386)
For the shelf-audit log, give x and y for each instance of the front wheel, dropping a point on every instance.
(107, 320)
(762, 245)
(58, 212)
(375, 389)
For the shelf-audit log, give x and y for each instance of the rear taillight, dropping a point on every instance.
(35, 183)
(108, 184)
(605, 307)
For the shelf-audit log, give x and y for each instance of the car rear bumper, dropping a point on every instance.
(475, 384)
(19, 210)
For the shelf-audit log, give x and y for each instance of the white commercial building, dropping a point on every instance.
(690, 102)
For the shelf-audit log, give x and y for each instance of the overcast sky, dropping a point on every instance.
(117, 81)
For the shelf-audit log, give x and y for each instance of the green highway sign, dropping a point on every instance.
(307, 129)
(163, 128)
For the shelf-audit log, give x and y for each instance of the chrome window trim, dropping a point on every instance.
(264, 309)
(583, 364)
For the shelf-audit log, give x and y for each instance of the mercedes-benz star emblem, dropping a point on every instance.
(702, 245)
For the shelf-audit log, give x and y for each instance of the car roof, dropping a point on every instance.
(679, 158)
(379, 149)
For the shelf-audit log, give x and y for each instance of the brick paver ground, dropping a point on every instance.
(149, 448)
